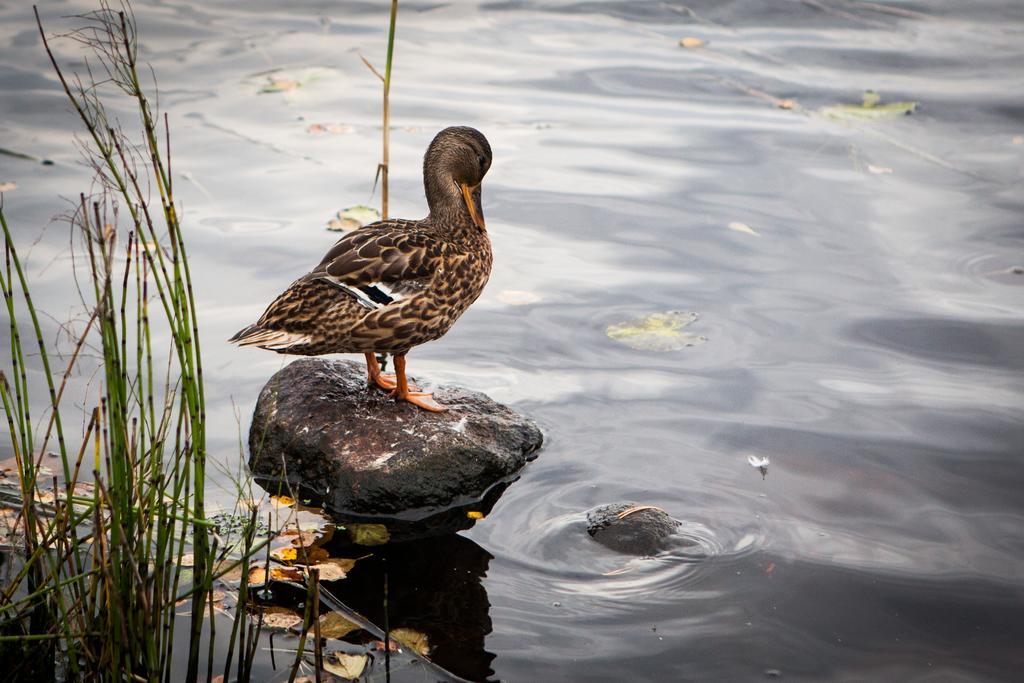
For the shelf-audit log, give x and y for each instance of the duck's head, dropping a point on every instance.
(453, 169)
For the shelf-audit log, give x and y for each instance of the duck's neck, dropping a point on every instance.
(447, 205)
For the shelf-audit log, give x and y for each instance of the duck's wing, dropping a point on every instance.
(382, 263)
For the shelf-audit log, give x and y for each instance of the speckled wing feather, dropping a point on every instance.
(385, 252)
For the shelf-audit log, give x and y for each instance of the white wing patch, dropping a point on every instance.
(371, 296)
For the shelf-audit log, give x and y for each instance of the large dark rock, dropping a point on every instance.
(318, 428)
(632, 529)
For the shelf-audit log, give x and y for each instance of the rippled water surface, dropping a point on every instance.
(865, 333)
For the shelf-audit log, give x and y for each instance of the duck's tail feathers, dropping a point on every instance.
(274, 340)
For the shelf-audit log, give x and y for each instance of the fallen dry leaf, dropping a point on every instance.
(281, 617)
(637, 508)
(879, 170)
(335, 569)
(692, 42)
(334, 625)
(785, 104)
(282, 501)
(7, 187)
(348, 667)
(289, 554)
(412, 639)
(286, 574)
(475, 514)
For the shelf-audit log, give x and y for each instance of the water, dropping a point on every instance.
(868, 339)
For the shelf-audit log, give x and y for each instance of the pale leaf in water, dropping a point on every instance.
(334, 569)
(743, 227)
(369, 534)
(657, 332)
(879, 170)
(412, 639)
(349, 667)
(353, 217)
(334, 625)
(7, 187)
(692, 42)
(281, 617)
(279, 85)
(1017, 140)
(331, 128)
(518, 297)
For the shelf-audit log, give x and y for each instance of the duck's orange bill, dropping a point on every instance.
(467, 194)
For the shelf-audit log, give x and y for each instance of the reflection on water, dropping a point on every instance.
(867, 339)
(434, 586)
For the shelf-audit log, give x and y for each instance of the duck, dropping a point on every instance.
(392, 285)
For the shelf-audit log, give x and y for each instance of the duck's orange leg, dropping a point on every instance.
(374, 377)
(422, 399)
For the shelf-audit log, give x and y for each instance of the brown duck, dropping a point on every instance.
(394, 284)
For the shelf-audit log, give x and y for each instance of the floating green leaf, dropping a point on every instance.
(657, 332)
(869, 109)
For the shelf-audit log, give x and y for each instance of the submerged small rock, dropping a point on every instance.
(370, 460)
(630, 528)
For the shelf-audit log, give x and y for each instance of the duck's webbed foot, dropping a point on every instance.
(410, 392)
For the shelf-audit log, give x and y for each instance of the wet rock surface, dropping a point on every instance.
(631, 528)
(318, 428)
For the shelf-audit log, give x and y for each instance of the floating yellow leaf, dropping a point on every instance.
(349, 667)
(691, 42)
(475, 514)
(657, 332)
(285, 554)
(369, 534)
(258, 576)
(7, 187)
(286, 574)
(412, 639)
(334, 625)
(282, 501)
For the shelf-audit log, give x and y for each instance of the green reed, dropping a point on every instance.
(104, 561)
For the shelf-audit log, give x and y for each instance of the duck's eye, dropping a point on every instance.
(482, 161)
